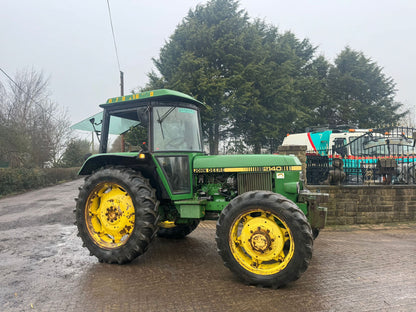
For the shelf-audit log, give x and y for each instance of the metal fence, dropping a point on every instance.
(382, 156)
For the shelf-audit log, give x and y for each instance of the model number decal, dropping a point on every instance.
(283, 168)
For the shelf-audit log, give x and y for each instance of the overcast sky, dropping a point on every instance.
(71, 41)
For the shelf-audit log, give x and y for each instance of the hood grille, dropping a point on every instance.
(254, 181)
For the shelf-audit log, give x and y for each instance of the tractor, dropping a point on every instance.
(266, 220)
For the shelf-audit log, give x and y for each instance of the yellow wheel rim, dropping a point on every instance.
(110, 215)
(167, 224)
(261, 242)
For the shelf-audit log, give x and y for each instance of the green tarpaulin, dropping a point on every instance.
(117, 125)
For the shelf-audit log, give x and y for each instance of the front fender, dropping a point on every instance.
(316, 214)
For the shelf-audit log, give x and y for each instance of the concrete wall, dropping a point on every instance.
(360, 204)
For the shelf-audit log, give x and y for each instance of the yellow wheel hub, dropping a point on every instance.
(261, 242)
(110, 215)
(167, 224)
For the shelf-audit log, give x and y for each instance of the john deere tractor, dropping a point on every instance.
(266, 221)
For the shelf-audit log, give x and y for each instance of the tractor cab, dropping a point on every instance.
(171, 119)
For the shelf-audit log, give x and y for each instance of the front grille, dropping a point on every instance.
(254, 181)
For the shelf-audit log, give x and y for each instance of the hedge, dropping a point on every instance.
(23, 179)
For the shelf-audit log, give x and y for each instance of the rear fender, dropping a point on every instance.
(144, 164)
(95, 162)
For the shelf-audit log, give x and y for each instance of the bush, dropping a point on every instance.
(23, 179)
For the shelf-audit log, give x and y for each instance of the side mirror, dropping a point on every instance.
(143, 116)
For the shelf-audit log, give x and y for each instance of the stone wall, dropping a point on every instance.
(299, 151)
(361, 204)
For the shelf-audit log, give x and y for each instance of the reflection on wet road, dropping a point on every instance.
(43, 267)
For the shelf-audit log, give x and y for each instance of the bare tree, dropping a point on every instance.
(33, 127)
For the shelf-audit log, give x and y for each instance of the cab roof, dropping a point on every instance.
(143, 97)
(121, 120)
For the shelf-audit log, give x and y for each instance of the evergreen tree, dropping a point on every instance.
(360, 93)
(204, 58)
(136, 136)
(283, 88)
(75, 153)
(260, 84)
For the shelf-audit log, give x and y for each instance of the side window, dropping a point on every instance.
(357, 146)
(339, 147)
(176, 170)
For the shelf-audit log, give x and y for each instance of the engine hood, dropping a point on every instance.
(246, 163)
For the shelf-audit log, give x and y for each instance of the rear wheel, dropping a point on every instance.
(168, 229)
(264, 238)
(116, 214)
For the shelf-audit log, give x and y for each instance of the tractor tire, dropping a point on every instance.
(116, 214)
(177, 231)
(264, 238)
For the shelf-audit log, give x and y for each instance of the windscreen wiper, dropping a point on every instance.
(160, 119)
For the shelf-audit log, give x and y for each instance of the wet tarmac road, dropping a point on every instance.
(44, 268)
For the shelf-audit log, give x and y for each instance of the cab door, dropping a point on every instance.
(176, 171)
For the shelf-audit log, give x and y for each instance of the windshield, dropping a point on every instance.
(176, 129)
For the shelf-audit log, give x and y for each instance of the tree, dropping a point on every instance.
(33, 129)
(133, 139)
(282, 87)
(136, 136)
(75, 153)
(257, 83)
(360, 93)
(203, 58)
(260, 84)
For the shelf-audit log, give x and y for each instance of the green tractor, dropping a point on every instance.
(266, 221)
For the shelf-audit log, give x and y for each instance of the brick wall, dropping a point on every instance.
(361, 204)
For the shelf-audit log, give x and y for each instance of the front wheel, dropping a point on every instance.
(116, 214)
(264, 238)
